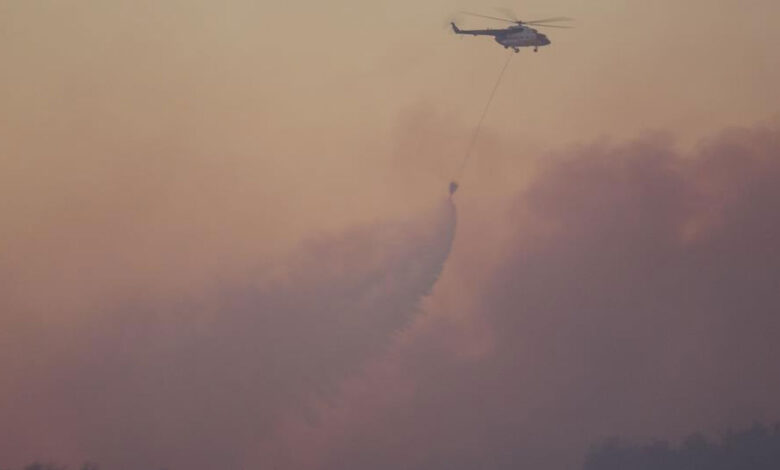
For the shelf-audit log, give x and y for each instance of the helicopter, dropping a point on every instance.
(520, 34)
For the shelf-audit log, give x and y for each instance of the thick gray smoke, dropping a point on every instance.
(637, 296)
(199, 382)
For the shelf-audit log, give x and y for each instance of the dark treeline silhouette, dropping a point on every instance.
(52, 466)
(757, 448)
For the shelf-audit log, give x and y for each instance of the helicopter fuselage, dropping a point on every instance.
(522, 37)
(514, 37)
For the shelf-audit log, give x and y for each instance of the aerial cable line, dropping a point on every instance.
(475, 135)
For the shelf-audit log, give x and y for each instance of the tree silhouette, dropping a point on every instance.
(52, 466)
(44, 466)
(756, 448)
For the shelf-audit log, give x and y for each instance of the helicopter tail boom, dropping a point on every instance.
(476, 32)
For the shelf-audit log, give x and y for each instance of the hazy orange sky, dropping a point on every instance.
(168, 168)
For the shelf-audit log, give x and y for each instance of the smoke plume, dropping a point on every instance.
(635, 295)
(200, 381)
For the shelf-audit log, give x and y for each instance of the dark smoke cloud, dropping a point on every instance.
(200, 381)
(638, 296)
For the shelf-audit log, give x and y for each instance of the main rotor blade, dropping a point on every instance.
(549, 20)
(551, 26)
(488, 17)
(509, 13)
